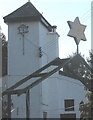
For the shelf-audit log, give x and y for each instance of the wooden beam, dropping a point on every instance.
(9, 106)
(45, 76)
(88, 83)
(59, 62)
(10, 92)
(31, 75)
(39, 75)
(21, 91)
(28, 104)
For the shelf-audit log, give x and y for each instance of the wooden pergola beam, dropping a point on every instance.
(19, 91)
(36, 74)
(32, 75)
(88, 83)
(27, 104)
(57, 62)
(43, 78)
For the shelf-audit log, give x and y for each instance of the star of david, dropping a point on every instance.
(76, 30)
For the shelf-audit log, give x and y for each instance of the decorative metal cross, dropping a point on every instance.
(77, 31)
(23, 29)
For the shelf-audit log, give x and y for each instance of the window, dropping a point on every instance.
(68, 116)
(69, 105)
(45, 115)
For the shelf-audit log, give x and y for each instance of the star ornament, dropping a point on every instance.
(76, 30)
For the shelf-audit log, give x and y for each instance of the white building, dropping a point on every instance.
(28, 50)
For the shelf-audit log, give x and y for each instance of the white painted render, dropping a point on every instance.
(49, 95)
(56, 89)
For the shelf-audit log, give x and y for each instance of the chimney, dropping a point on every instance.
(54, 28)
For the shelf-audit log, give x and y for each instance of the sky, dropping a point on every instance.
(57, 12)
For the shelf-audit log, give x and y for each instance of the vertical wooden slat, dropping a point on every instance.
(9, 106)
(28, 104)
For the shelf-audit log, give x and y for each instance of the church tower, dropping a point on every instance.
(32, 43)
(30, 40)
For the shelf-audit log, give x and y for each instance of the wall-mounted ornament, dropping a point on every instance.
(40, 52)
(23, 29)
(77, 31)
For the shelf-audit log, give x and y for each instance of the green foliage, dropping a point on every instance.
(77, 67)
(79, 70)
(4, 53)
(86, 109)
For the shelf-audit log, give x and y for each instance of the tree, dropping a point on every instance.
(4, 53)
(86, 109)
(4, 66)
(79, 69)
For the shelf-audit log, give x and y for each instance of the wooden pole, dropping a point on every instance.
(9, 106)
(77, 49)
(23, 45)
(27, 104)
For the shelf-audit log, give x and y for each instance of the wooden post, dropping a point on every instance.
(9, 106)
(23, 45)
(27, 104)
(77, 49)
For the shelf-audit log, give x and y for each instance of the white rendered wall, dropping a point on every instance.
(17, 61)
(48, 41)
(19, 66)
(49, 95)
(56, 90)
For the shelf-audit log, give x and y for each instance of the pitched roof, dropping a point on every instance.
(27, 12)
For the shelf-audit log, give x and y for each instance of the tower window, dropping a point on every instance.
(69, 104)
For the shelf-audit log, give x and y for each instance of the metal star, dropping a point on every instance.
(76, 30)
